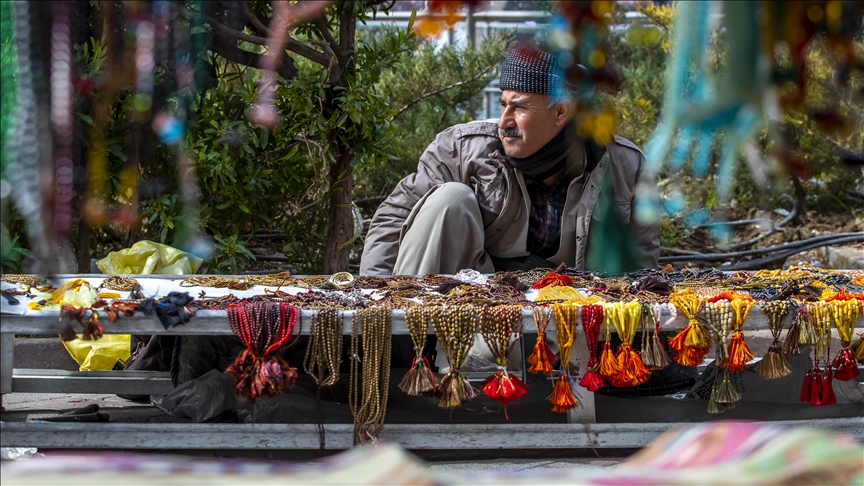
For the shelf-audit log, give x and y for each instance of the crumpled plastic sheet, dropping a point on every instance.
(202, 399)
(147, 257)
(213, 394)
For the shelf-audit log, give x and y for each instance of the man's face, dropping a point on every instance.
(526, 124)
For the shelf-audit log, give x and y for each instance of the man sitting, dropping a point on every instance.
(523, 188)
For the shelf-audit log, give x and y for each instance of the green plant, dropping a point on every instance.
(230, 254)
(11, 252)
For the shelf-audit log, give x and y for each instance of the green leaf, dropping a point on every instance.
(265, 137)
(243, 208)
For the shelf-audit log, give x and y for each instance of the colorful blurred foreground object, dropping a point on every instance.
(577, 34)
(147, 257)
(441, 16)
(754, 85)
(739, 453)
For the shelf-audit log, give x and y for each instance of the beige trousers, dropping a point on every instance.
(443, 234)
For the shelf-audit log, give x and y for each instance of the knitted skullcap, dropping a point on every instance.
(529, 69)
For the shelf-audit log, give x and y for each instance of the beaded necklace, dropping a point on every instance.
(814, 390)
(690, 345)
(719, 318)
(369, 404)
(541, 358)
(844, 311)
(264, 328)
(562, 396)
(501, 328)
(774, 364)
(419, 381)
(325, 347)
(592, 319)
(456, 328)
(626, 317)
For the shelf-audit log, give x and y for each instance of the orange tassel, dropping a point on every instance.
(608, 363)
(541, 358)
(677, 342)
(687, 355)
(631, 369)
(562, 397)
(739, 354)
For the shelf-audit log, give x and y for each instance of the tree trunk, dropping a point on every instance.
(83, 248)
(341, 228)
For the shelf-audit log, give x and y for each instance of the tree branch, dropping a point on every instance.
(322, 26)
(439, 91)
(231, 52)
(291, 44)
(253, 17)
(218, 26)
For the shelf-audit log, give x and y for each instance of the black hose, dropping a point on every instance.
(759, 262)
(770, 249)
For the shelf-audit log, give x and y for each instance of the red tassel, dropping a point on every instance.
(608, 363)
(816, 388)
(805, 388)
(562, 397)
(845, 365)
(631, 369)
(553, 280)
(828, 397)
(504, 387)
(541, 358)
(591, 381)
(739, 354)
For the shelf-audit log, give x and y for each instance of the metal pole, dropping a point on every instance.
(471, 26)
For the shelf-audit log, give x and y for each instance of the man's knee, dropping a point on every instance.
(451, 195)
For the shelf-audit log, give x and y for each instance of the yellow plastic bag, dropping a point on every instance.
(147, 257)
(144, 257)
(101, 354)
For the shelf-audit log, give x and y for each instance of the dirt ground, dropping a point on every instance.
(699, 240)
(810, 225)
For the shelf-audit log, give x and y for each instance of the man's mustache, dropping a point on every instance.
(510, 132)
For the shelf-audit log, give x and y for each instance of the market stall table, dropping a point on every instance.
(581, 431)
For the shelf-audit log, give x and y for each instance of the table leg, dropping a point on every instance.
(7, 362)
(585, 413)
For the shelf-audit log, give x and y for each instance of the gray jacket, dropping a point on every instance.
(468, 153)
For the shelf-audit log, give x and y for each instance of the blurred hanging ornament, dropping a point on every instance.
(577, 34)
(442, 15)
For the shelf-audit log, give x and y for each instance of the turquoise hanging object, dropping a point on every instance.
(697, 111)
